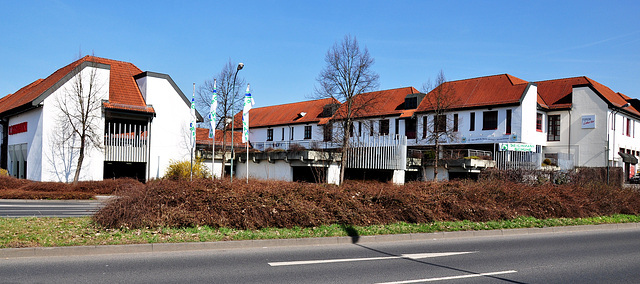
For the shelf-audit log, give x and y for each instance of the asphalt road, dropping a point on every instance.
(578, 257)
(48, 208)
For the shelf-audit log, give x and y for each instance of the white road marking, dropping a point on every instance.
(451, 277)
(406, 256)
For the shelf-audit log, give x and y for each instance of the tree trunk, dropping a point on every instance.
(76, 177)
(437, 156)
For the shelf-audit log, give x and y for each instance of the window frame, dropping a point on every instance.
(472, 121)
(270, 134)
(539, 121)
(307, 131)
(486, 119)
(553, 127)
(384, 127)
(508, 122)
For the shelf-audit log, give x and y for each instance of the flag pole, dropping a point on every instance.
(192, 128)
(248, 104)
(212, 117)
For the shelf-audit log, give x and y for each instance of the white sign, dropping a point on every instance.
(517, 147)
(589, 121)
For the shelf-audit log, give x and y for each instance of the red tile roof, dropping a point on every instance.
(482, 91)
(123, 90)
(202, 138)
(557, 93)
(378, 103)
(285, 114)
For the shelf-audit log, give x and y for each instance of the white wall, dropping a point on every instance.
(170, 134)
(59, 163)
(280, 170)
(592, 152)
(32, 138)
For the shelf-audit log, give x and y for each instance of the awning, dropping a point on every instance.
(628, 158)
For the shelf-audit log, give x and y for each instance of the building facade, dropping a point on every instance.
(505, 121)
(139, 123)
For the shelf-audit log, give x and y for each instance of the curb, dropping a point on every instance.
(224, 245)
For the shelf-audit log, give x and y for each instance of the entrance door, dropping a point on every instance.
(18, 160)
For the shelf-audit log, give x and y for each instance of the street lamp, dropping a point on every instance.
(233, 117)
(614, 135)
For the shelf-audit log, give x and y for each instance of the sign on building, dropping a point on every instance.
(517, 147)
(589, 121)
(18, 128)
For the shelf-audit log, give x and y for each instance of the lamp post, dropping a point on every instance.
(233, 87)
(613, 113)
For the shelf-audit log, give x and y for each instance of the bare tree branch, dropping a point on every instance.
(347, 74)
(80, 107)
(230, 99)
(441, 128)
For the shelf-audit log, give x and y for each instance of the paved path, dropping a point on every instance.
(49, 208)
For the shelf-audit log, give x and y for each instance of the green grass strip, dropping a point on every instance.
(52, 232)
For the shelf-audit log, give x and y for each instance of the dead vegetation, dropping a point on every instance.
(261, 204)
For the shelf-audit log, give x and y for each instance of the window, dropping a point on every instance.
(384, 127)
(410, 128)
(424, 127)
(411, 103)
(327, 131)
(508, 130)
(291, 136)
(351, 129)
(539, 122)
(359, 128)
(455, 122)
(628, 127)
(490, 120)
(269, 134)
(282, 134)
(397, 124)
(472, 121)
(307, 132)
(553, 128)
(440, 123)
(371, 128)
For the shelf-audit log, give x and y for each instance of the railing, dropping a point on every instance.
(293, 145)
(379, 152)
(126, 142)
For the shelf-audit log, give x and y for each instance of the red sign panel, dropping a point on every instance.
(18, 128)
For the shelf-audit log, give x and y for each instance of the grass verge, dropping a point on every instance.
(52, 232)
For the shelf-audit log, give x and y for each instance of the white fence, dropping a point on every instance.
(126, 142)
(378, 152)
(518, 160)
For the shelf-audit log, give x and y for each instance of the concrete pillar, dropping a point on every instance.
(398, 177)
(333, 174)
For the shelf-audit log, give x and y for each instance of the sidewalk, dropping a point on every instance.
(222, 245)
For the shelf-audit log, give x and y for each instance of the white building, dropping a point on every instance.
(562, 124)
(141, 123)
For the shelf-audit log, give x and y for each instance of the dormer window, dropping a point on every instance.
(410, 103)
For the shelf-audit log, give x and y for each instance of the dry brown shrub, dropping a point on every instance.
(262, 204)
(13, 188)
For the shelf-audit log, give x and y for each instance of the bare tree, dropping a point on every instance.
(229, 99)
(347, 74)
(440, 100)
(80, 116)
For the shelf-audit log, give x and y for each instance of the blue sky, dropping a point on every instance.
(283, 43)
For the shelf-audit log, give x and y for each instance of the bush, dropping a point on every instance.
(13, 188)
(4, 172)
(260, 204)
(182, 170)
